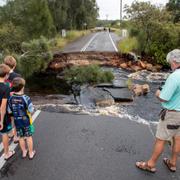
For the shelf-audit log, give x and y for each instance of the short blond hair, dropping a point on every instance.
(10, 61)
(4, 70)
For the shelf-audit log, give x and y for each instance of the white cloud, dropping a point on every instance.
(111, 8)
(2, 2)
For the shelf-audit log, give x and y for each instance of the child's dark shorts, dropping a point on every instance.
(25, 131)
(7, 126)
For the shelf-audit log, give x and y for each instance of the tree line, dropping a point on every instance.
(156, 29)
(30, 29)
(34, 18)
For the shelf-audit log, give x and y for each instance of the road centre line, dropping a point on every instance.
(88, 43)
(13, 146)
(113, 43)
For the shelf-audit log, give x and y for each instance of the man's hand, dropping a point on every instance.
(158, 96)
(158, 93)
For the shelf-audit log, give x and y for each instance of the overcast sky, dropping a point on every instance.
(111, 8)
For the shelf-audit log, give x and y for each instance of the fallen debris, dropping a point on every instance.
(140, 89)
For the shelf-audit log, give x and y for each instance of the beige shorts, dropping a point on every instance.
(168, 128)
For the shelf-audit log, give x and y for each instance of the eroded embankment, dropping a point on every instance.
(112, 59)
(55, 102)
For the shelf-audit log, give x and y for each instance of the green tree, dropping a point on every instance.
(11, 38)
(58, 10)
(70, 15)
(35, 57)
(33, 16)
(143, 16)
(153, 27)
(174, 7)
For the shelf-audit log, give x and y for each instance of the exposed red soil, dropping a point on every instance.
(63, 60)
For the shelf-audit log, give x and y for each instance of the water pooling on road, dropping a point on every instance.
(143, 109)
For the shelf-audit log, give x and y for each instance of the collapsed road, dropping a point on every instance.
(86, 147)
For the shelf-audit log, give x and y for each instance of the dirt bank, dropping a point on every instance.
(112, 59)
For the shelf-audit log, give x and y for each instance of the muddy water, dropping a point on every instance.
(43, 85)
(53, 95)
(145, 107)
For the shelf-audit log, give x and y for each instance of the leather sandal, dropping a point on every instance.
(31, 156)
(10, 155)
(169, 165)
(145, 167)
(24, 154)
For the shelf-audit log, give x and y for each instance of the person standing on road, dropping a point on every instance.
(5, 122)
(11, 62)
(21, 108)
(169, 124)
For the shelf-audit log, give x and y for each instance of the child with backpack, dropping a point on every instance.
(21, 108)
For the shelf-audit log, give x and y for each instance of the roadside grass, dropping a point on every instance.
(117, 31)
(59, 42)
(128, 45)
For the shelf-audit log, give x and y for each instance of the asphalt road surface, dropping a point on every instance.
(100, 41)
(82, 147)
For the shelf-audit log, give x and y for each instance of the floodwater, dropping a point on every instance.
(51, 94)
(46, 85)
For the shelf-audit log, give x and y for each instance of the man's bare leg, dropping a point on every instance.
(175, 150)
(158, 149)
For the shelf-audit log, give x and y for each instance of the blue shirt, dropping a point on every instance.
(171, 92)
(20, 106)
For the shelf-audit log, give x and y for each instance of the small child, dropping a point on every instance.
(5, 122)
(21, 107)
(11, 62)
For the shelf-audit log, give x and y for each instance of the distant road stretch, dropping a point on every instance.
(100, 41)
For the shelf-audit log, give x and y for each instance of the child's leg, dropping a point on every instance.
(23, 147)
(30, 147)
(5, 140)
(15, 139)
(7, 154)
(30, 144)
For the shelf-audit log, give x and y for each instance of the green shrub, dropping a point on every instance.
(36, 56)
(87, 75)
(107, 76)
(59, 42)
(128, 45)
(72, 35)
(154, 29)
(164, 39)
(11, 38)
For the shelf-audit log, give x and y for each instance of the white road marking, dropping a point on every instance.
(113, 43)
(88, 43)
(13, 146)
